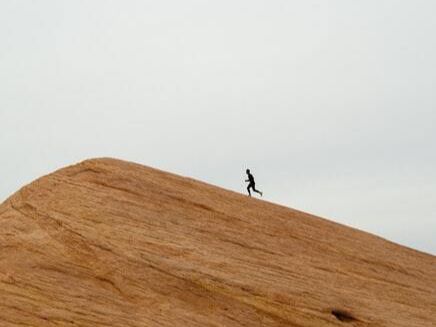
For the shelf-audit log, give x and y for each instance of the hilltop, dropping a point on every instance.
(112, 243)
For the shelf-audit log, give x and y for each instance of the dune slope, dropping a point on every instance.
(111, 243)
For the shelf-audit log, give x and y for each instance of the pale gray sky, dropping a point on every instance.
(330, 103)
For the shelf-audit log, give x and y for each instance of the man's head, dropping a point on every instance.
(247, 171)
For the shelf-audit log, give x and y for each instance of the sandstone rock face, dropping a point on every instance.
(112, 243)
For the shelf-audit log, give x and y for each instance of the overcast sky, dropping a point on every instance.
(332, 104)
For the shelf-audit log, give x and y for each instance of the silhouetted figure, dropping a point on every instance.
(251, 183)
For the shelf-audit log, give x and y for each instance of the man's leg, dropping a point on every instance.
(248, 189)
(254, 189)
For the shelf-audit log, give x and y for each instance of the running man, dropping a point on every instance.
(251, 183)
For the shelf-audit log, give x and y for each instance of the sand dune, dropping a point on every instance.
(112, 243)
